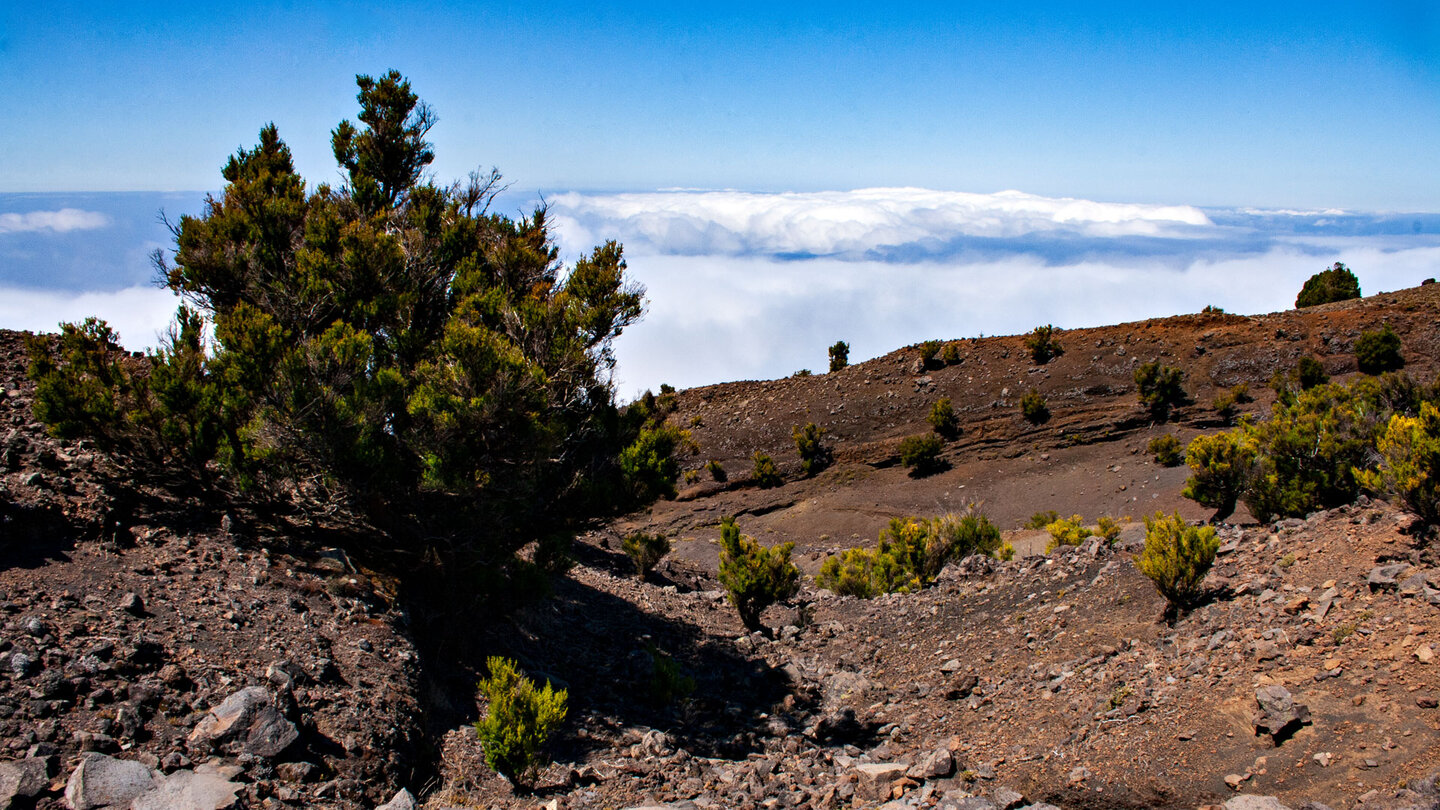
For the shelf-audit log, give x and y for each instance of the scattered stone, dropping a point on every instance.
(402, 801)
(270, 733)
(23, 778)
(100, 781)
(1385, 577)
(937, 764)
(1078, 775)
(132, 604)
(875, 778)
(1251, 802)
(1006, 798)
(1324, 758)
(1426, 701)
(1235, 780)
(1280, 716)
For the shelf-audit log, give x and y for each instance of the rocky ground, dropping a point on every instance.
(157, 652)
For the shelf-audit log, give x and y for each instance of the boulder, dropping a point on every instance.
(206, 788)
(875, 779)
(401, 801)
(937, 764)
(270, 733)
(1251, 802)
(1279, 716)
(1385, 577)
(22, 778)
(102, 781)
(250, 716)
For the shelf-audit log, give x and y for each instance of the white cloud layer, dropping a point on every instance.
(852, 224)
(138, 314)
(61, 221)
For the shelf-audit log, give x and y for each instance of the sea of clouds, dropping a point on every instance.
(745, 285)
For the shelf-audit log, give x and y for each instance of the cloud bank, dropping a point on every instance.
(62, 221)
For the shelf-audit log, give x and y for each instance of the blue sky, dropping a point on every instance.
(782, 175)
(1276, 104)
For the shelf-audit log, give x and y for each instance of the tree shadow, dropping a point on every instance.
(31, 537)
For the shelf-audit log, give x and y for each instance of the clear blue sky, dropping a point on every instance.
(1272, 104)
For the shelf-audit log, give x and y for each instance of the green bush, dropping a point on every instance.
(763, 471)
(1033, 407)
(921, 453)
(1379, 351)
(388, 346)
(950, 355)
(668, 683)
(1109, 528)
(942, 418)
(910, 554)
(1410, 472)
(1219, 469)
(1226, 401)
(753, 576)
(928, 350)
(1040, 520)
(1177, 557)
(649, 465)
(716, 470)
(814, 455)
(1310, 373)
(1063, 532)
(1327, 286)
(1160, 388)
(645, 550)
(518, 721)
(1043, 345)
(839, 355)
(1166, 450)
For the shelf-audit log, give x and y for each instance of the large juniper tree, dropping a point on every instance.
(390, 346)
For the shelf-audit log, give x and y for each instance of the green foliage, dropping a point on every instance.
(1327, 286)
(804, 372)
(814, 455)
(1211, 309)
(668, 682)
(839, 355)
(1226, 401)
(910, 554)
(1040, 520)
(1377, 352)
(928, 350)
(1166, 450)
(1033, 407)
(1063, 532)
(942, 418)
(1177, 557)
(754, 577)
(950, 355)
(1043, 345)
(1219, 468)
(1160, 388)
(649, 465)
(645, 550)
(763, 472)
(389, 347)
(716, 470)
(518, 721)
(1109, 528)
(921, 453)
(1410, 472)
(1310, 373)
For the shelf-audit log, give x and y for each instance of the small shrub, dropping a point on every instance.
(691, 476)
(1310, 373)
(950, 355)
(928, 350)
(1211, 309)
(518, 721)
(910, 554)
(668, 683)
(1033, 407)
(804, 372)
(1065, 532)
(1225, 406)
(1410, 473)
(716, 470)
(921, 453)
(1108, 528)
(1166, 450)
(1040, 520)
(1042, 344)
(814, 455)
(1006, 552)
(649, 465)
(754, 577)
(1379, 352)
(1160, 388)
(942, 418)
(645, 550)
(1219, 466)
(1327, 286)
(839, 355)
(1176, 558)
(763, 472)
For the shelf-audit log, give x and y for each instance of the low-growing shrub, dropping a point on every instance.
(1040, 520)
(839, 355)
(1327, 286)
(764, 472)
(1410, 472)
(942, 418)
(1033, 407)
(950, 355)
(1108, 528)
(645, 550)
(921, 453)
(814, 455)
(1167, 450)
(716, 470)
(1226, 401)
(928, 350)
(1176, 558)
(1379, 351)
(518, 721)
(754, 577)
(910, 554)
(1309, 373)
(668, 683)
(649, 465)
(1063, 532)
(1219, 467)
(1042, 344)
(1160, 388)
